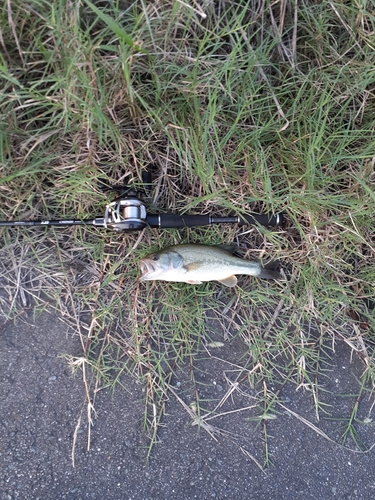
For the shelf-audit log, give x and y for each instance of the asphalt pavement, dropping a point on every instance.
(42, 403)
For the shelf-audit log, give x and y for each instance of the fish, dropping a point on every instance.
(196, 264)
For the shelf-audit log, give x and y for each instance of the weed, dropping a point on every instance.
(234, 107)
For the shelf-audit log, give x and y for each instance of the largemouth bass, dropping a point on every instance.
(198, 263)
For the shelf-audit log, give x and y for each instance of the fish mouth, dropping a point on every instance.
(148, 267)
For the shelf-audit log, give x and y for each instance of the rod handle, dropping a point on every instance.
(178, 221)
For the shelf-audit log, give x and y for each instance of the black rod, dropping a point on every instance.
(159, 221)
(71, 222)
(179, 221)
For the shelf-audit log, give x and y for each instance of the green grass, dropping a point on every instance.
(244, 109)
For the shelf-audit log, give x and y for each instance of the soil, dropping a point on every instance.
(41, 403)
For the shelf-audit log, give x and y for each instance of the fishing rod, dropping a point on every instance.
(129, 213)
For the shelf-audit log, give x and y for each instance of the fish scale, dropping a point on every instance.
(196, 264)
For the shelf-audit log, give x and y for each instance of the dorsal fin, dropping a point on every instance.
(228, 248)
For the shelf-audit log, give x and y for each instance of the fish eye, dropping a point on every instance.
(156, 257)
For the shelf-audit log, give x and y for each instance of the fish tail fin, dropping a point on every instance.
(270, 271)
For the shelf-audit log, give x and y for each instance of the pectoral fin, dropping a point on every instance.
(230, 281)
(193, 266)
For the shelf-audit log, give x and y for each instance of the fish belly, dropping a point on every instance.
(214, 272)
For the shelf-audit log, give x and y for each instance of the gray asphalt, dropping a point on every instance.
(41, 402)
